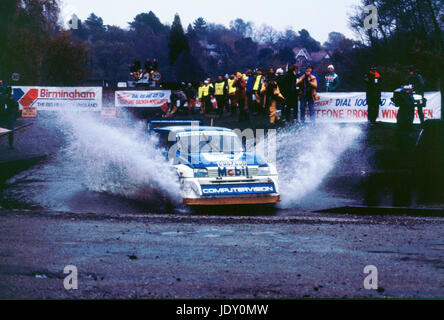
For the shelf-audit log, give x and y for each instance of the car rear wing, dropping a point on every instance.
(155, 124)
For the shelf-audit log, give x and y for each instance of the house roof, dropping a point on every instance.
(302, 52)
(312, 57)
(320, 55)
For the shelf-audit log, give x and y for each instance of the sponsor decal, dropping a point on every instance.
(265, 188)
(232, 172)
(231, 163)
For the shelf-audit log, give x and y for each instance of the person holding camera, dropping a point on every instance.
(308, 85)
(272, 96)
(415, 80)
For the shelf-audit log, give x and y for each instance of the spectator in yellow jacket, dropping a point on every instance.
(272, 95)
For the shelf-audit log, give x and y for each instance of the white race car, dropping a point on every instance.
(213, 167)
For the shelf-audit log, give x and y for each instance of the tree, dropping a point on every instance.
(408, 32)
(264, 56)
(60, 53)
(178, 40)
(267, 35)
(32, 42)
(286, 56)
(306, 41)
(245, 54)
(147, 20)
(200, 26)
(7, 10)
(94, 24)
(241, 28)
(334, 40)
(187, 69)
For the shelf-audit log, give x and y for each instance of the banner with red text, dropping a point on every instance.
(352, 107)
(59, 98)
(145, 99)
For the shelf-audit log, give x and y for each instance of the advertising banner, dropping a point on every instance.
(145, 99)
(352, 107)
(58, 98)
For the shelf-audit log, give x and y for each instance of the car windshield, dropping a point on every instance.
(209, 142)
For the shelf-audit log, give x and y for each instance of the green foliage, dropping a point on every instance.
(200, 25)
(178, 40)
(33, 44)
(241, 28)
(147, 20)
(410, 32)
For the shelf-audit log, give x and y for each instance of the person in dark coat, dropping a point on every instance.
(373, 93)
(9, 110)
(249, 87)
(291, 92)
(191, 93)
(403, 99)
(155, 65)
(415, 80)
(148, 66)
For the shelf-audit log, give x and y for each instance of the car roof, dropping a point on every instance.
(178, 129)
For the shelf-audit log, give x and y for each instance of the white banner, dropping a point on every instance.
(59, 98)
(352, 107)
(150, 99)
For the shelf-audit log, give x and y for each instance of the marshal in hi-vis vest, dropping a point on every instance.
(219, 88)
(231, 88)
(257, 83)
(206, 90)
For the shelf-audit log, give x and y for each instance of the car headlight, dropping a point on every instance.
(263, 171)
(200, 173)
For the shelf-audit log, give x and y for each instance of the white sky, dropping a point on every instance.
(319, 17)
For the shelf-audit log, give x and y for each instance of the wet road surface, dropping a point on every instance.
(126, 246)
(174, 256)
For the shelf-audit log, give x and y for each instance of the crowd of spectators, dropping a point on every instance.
(282, 96)
(139, 72)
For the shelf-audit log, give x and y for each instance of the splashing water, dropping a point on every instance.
(119, 159)
(122, 161)
(305, 155)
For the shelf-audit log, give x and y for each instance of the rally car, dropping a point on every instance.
(212, 166)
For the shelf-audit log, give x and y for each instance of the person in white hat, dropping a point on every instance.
(331, 79)
(280, 71)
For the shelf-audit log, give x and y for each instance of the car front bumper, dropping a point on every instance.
(214, 201)
(193, 191)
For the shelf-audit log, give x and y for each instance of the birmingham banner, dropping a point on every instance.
(352, 107)
(59, 98)
(145, 99)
